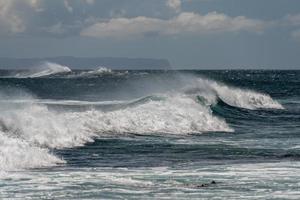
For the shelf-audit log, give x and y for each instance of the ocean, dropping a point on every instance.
(188, 134)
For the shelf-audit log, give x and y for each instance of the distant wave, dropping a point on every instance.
(101, 71)
(45, 69)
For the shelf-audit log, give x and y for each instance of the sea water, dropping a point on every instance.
(105, 134)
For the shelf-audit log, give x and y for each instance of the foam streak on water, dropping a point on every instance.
(233, 182)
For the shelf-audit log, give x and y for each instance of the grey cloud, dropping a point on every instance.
(294, 22)
(106, 18)
(68, 6)
(174, 4)
(184, 23)
(43, 17)
(12, 21)
(296, 34)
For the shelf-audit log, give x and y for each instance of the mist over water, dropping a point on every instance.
(172, 130)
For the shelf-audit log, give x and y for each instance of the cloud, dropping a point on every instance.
(174, 4)
(9, 20)
(68, 6)
(296, 34)
(184, 23)
(91, 2)
(13, 14)
(35, 4)
(35, 17)
(57, 29)
(293, 20)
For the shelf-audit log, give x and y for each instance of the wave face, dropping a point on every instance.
(32, 126)
(45, 69)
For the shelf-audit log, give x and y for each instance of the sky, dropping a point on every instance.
(198, 34)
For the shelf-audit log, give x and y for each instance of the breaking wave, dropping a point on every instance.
(211, 91)
(99, 71)
(46, 69)
(38, 127)
(29, 130)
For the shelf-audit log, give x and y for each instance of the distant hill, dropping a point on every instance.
(87, 63)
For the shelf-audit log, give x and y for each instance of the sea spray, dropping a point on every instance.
(44, 69)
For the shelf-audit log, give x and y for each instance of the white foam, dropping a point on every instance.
(37, 125)
(178, 114)
(16, 153)
(101, 70)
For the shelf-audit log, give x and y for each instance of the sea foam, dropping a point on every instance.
(17, 153)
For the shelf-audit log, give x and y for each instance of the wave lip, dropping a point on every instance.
(246, 98)
(236, 97)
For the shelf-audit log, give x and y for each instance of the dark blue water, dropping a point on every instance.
(150, 134)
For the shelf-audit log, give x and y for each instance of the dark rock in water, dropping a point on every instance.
(203, 185)
(206, 184)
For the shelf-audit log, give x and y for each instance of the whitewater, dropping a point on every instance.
(57, 120)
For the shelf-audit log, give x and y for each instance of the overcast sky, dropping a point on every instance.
(202, 34)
